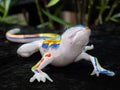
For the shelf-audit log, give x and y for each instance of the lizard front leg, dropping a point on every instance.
(37, 69)
(98, 69)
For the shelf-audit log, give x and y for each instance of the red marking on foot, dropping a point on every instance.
(48, 55)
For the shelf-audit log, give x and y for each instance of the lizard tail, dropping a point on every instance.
(14, 36)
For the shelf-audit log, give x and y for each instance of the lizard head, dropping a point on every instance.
(78, 34)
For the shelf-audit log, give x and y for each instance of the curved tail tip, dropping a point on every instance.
(14, 30)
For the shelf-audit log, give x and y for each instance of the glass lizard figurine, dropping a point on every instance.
(59, 51)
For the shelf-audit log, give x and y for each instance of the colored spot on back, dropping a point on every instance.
(51, 43)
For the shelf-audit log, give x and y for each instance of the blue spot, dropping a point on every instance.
(54, 45)
(107, 73)
(36, 71)
(45, 45)
(104, 72)
(96, 65)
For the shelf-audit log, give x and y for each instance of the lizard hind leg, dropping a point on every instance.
(28, 49)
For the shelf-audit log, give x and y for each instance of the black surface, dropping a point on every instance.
(15, 71)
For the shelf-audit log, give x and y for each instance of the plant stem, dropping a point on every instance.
(75, 11)
(102, 9)
(89, 11)
(45, 3)
(79, 15)
(112, 10)
(39, 11)
(84, 12)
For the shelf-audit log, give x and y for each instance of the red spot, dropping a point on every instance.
(44, 50)
(48, 55)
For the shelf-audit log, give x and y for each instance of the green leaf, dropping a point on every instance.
(107, 7)
(12, 20)
(98, 7)
(1, 10)
(116, 15)
(56, 19)
(114, 20)
(52, 3)
(7, 5)
(1, 7)
(58, 10)
(46, 24)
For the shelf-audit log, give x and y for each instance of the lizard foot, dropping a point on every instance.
(102, 71)
(40, 77)
(92, 46)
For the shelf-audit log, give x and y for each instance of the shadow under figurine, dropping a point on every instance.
(60, 51)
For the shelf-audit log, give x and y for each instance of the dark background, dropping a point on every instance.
(15, 71)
